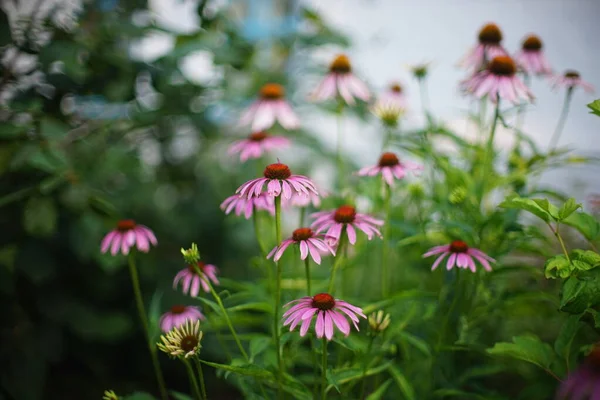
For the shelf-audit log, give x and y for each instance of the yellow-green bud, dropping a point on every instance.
(379, 321)
(191, 255)
(458, 195)
(110, 395)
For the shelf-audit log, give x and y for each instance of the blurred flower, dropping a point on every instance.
(248, 206)
(195, 276)
(278, 178)
(388, 112)
(421, 70)
(498, 81)
(271, 107)
(379, 321)
(489, 47)
(303, 200)
(329, 311)
(256, 144)
(571, 79)
(461, 255)
(345, 217)
(531, 58)
(394, 95)
(183, 340)
(390, 167)
(127, 235)
(593, 201)
(308, 241)
(340, 81)
(584, 383)
(178, 315)
(110, 395)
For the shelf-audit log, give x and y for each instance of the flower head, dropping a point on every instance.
(498, 81)
(328, 311)
(308, 241)
(177, 316)
(345, 218)
(256, 145)
(303, 200)
(379, 321)
(183, 341)
(110, 395)
(487, 49)
(270, 107)
(340, 81)
(388, 111)
(421, 70)
(195, 276)
(243, 205)
(584, 383)
(126, 235)
(570, 80)
(531, 58)
(390, 167)
(461, 255)
(279, 179)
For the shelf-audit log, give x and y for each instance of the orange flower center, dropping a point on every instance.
(532, 43)
(323, 301)
(277, 171)
(258, 136)
(396, 88)
(302, 234)
(177, 309)
(490, 34)
(345, 214)
(388, 160)
(125, 225)
(195, 268)
(341, 65)
(458, 246)
(502, 66)
(572, 74)
(272, 91)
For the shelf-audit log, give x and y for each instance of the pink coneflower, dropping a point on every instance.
(303, 200)
(390, 167)
(177, 316)
(329, 312)
(271, 107)
(195, 276)
(531, 58)
(345, 217)
(248, 206)
(257, 144)
(394, 96)
(571, 79)
(279, 180)
(498, 81)
(127, 235)
(584, 383)
(340, 81)
(308, 241)
(461, 255)
(488, 48)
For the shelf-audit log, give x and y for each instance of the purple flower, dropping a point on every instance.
(127, 235)
(177, 316)
(303, 200)
(257, 144)
(308, 241)
(279, 180)
(531, 58)
(329, 312)
(394, 96)
(271, 107)
(570, 80)
(488, 48)
(340, 81)
(345, 217)
(584, 383)
(390, 167)
(461, 255)
(195, 276)
(248, 206)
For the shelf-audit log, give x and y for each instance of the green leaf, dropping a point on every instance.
(416, 342)
(378, 394)
(211, 304)
(562, 345)
(538, 207)
(39, 217)
(558, 267)
(581, 292)
(587, 256)
(139, 396)
(568, 208)
(403, 384)
(258, 344)
(445, 393)
(345, 375)
(526, 348)
(180, 396)
(586, 224)
(594, 107)
(247, 370)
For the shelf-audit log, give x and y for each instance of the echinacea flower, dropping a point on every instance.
(308, 241)
(183, 341)
(270, 107)
(394, 95)
(584, 383)
(127, 235)
(388, 112)
(279, 180)
(246, 206)
(498, 81)
(379, 321)
(531, 58)
(303, 200)
(570, 80)
(177, 316)
(257, 144)
(195, 276)
(329, 312)
(390, 167)
(345, 218)
(487, 49)
(340, 81)
(461, 255)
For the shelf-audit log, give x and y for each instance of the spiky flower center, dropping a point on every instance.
(125, 225)
(272, 91)
(458, 246)
(345, 214)
(532, 43)
(277, 171)
(396, 88)
(189, 343)
(302, 234)
(502, 66)
(258, 136)
(388, 160)
(572, 74)
(341, 65)
(195, 268)
(178, 309)
(490, 34)
(323, 301)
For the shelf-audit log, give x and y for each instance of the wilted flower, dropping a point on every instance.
(570, 80)
(308, 241)
(329, 312)
(390, 167)
(183, 340)
(178, 315)
(270, 107)
(279, 180)
(110, 395)
(379, 321)
(127, 235)
(584, 383)
(531, 57)
(488, 48)
(461, 255)
(257, 144)
(195, 276)
(248, 206)
(345, 217)
(340, 81)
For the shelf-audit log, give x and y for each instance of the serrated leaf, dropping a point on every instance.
(526, 348)
(568, 208)
(557, 267)
(588, 256)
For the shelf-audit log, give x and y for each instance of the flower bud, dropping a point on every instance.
(378, 321)
(192, 255)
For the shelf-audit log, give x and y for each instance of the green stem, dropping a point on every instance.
(488, 164)
(307, 270)
(339, 155)
(324, 369)
(263, 251)
(142, 313)
(339, 257)
(201, 377)
(277, 297)
(302, 216)
(193, 381)
(365, 367)
(384, 246)
(521, 112)
(561, 121)
(425, 101)
(560, 240)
